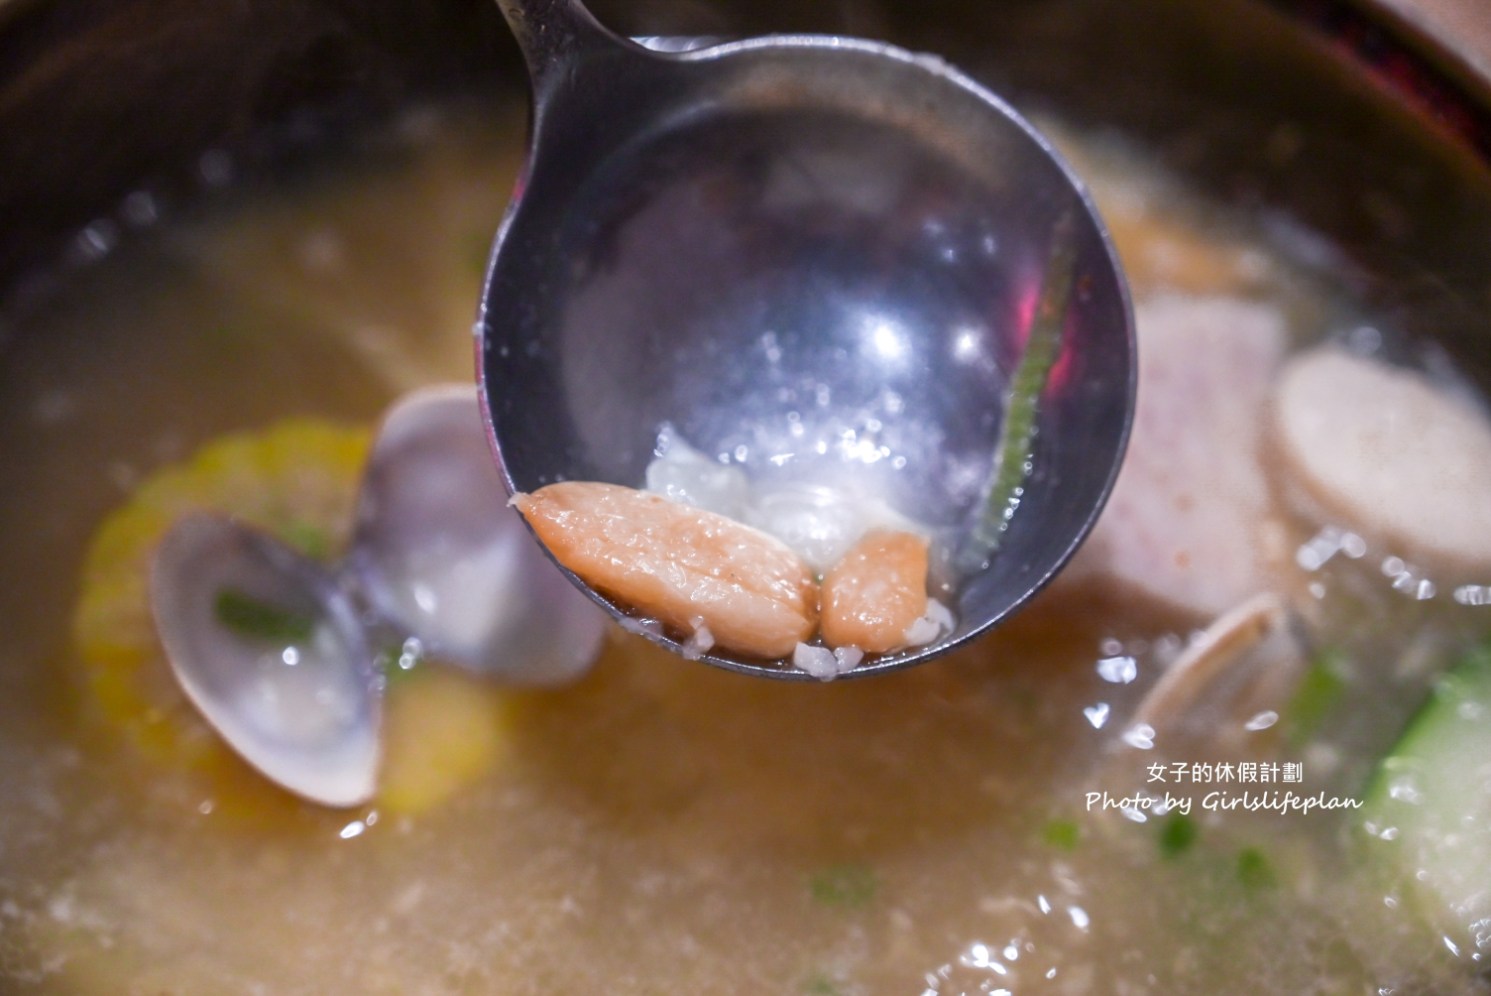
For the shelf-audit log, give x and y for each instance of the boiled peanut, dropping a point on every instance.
(679, 564)
(871, 597)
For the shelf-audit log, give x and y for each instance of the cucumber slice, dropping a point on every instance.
(1430, 801)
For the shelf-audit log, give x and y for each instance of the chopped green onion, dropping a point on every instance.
(1318, 693)
(1062, 834)
(250, 617)
(821, 985)
(1254, 870)
(850, 886)
(1177, 834)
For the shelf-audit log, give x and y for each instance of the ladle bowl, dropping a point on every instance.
(816, 257)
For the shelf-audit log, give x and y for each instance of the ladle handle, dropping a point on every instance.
(554, 35)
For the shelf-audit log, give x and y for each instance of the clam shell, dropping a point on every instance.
(438, 552)
(289, 682)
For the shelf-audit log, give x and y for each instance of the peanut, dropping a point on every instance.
(871, 597)
(679, 564)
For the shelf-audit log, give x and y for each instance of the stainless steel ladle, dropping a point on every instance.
(826, 260)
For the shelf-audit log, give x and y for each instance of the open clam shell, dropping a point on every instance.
(438, 552)
(270, 650)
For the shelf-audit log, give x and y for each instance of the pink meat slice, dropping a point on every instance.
(1188, 520)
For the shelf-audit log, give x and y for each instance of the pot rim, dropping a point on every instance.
(1410, 52)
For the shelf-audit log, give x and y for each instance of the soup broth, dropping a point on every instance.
(988, 823)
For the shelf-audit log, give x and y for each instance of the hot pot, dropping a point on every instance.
(1360, 123)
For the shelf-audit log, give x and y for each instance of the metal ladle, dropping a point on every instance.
(824, 259)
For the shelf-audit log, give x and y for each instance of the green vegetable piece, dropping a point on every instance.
(1318, 693)
(849, 886)
(1433, 792)
(1012, 454)
(249, 617)
(1177, 834)
(1064, 835)
(821, 985)
(1254, 870)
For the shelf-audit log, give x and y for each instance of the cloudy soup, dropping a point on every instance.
(1238, 747)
